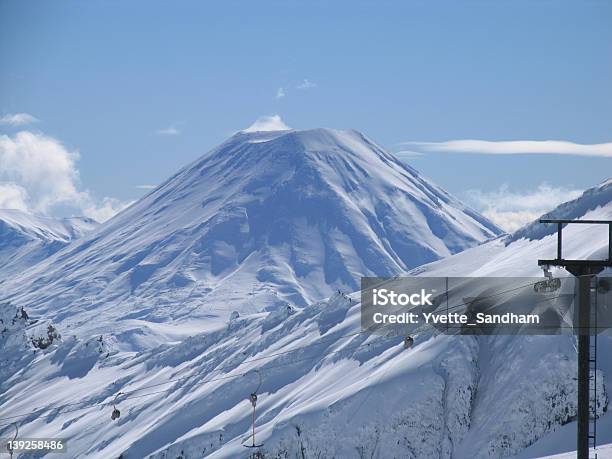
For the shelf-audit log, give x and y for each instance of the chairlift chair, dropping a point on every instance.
(549, 284)
(116, 414)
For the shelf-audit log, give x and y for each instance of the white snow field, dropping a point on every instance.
(562, 443)
(143, 309)
(603, 452)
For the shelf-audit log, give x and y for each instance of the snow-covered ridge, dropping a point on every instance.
(26, 239)
(46, 228)
(517, 253)
(591, 199)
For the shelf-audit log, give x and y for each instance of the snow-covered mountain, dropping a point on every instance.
(266, 218)
(26, 239)
(326, 389)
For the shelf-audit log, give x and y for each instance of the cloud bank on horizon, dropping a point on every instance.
(514, 147)
(513, 209)
(38, 174)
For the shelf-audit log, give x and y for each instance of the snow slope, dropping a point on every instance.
(326, 390)
(603, 452)
(27, 239)
(266, 218)
(518, 254)
(562, 442)
(317, 385)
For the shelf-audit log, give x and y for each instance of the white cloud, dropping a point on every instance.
(267, 123)
(168, 131)
(146, 187)
(408, 154)
(306, 84)
(18, 119)
(516, 147)
(38, 174)
(102, 211)
(280, 93)
(513, 209)
(13, 196)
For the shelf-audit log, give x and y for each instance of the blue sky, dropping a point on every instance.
(141, 88)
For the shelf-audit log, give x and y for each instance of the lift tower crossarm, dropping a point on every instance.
(578, 267)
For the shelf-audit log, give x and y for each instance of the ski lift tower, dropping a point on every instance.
(585, 271)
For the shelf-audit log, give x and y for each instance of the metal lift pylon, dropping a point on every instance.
(585, 271)
(253, 400)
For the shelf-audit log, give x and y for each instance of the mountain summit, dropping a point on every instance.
(265, 218)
